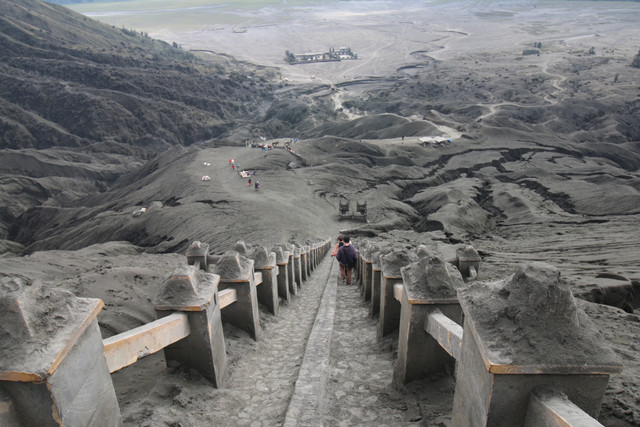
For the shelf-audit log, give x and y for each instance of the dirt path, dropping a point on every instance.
(556, 82)
(550, 99)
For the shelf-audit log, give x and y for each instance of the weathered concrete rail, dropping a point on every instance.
(60, 375)
(501, 379)
(54, 371)
(522, 352)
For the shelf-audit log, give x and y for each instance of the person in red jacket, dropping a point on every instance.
(334, 252)
(347, 256)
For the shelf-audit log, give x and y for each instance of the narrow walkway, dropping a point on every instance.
(318, 364)
(308, 402)
(346, 375)
(359, 390)
(262, 382)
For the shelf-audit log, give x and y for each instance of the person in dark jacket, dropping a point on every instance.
(347, 256)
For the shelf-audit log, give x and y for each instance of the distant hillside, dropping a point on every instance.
(66, 80)
(82, 103)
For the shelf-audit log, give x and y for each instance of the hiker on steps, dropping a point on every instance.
(338, 245)
(347, 257)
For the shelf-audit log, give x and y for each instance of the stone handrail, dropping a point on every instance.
(190, 309)
(553, 410)
(431, 336)
(257, 277)
(447, 332)
(397, 291)
(128, 347)
(556, 410)
(227, 297)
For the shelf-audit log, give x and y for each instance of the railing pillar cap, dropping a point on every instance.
(467, 253)
(38, 325)
(241, 247)
(233, 266)
(391, 262)
(375, 258)
(530, 320)
(368, 251)
(424, 251)
(288, 246)
(187, 289)
(282, 256)
(261, 257)
(198, 249)
(431, 279)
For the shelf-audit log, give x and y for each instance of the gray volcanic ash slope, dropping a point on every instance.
(82, 103)
(86, 105)
(73, 82)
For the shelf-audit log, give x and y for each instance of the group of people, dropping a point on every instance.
(263, 146)
(244, 174)
(347, 256)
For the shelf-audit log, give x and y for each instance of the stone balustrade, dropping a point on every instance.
(52, 352)
(54, 369)
(522, 352)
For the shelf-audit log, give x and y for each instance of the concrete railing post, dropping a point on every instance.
(321, 252)
(312, 257)
(241, 247)
(52, 362)
(236, 272)
(195, 293)
(521, 334)
(265, 263)
(361, 265)
(8, 415)
(198, 252)
(376, 280)
(282, 262)
(308, 251)
(291, 268)
(468, 261)
(366, 253)
(367, 276)
(304, 264)
(297, 267)
(358, 272)
(390, 307)
(429, 284)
